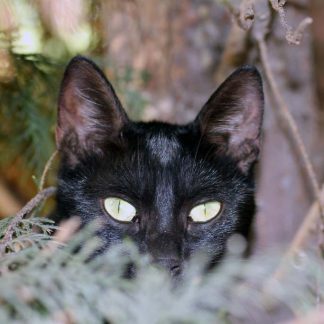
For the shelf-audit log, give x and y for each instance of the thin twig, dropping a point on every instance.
(293, 37)
(299, 238)
(292, 128)
(34, 202)
(46, 169)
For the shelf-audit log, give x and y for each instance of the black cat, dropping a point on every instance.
(174, 190)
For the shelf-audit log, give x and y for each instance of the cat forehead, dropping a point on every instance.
(162, 147)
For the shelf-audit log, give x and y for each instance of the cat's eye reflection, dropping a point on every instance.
(119, 209)
(205, 212)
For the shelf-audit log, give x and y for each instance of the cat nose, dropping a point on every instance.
(173, 266)
(166, 251)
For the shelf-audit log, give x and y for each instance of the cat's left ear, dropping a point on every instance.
(89, 112)
(232, 117)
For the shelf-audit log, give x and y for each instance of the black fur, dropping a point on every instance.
(163, 170)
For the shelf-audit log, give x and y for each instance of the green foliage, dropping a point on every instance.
(30, 232)
(47, 283)
(28, 110)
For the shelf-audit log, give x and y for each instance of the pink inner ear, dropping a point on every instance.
(70, 117)
(248, 127)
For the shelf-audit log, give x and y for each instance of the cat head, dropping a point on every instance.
(173, 189)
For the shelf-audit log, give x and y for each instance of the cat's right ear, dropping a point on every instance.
(232, 117)
(89, 112)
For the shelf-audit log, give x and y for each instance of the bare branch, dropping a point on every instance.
(293, 37)
(297, 36)
(244, 16)
(300, 237)
(46, 170)
(277, 4)
(292, 127)
(289, 119)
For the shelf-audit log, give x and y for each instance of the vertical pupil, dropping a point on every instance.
(118, 208)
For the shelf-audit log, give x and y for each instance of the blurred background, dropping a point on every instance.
(164, 58)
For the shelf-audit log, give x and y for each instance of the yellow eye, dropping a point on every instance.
(120, 209)
(205, 212)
